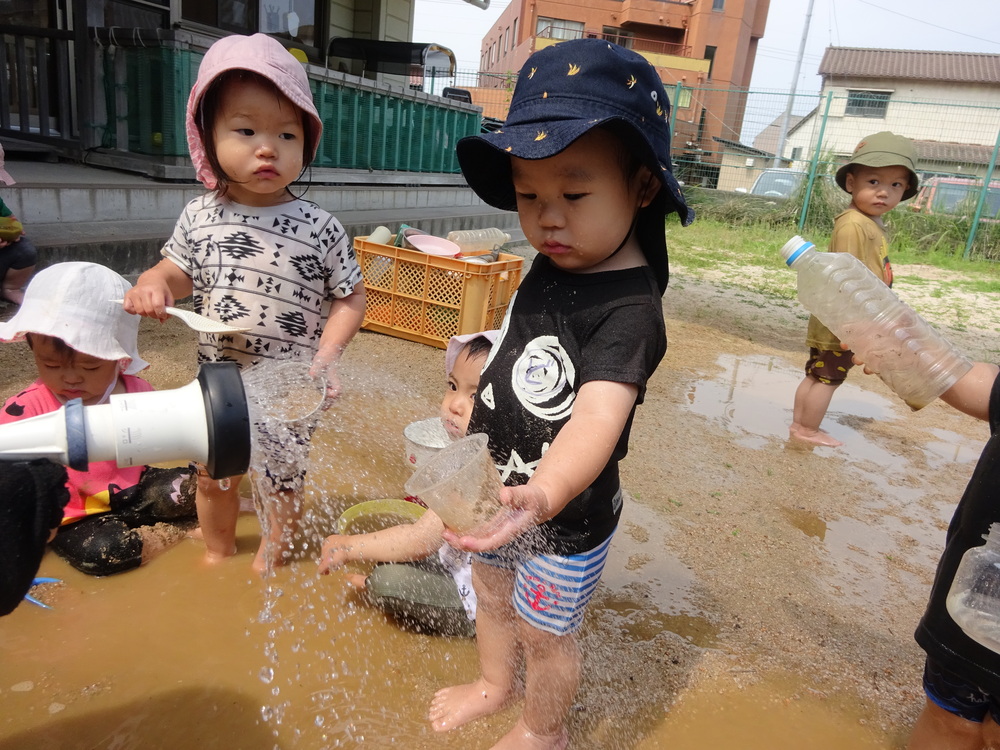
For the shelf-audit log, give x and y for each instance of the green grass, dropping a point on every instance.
(742, 231)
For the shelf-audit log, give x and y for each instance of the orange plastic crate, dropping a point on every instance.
(428, 298)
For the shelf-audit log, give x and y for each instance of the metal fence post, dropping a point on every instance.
(982, 199)
(814, 164)
(673, 109)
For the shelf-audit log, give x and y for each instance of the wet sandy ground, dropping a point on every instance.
(757, 595)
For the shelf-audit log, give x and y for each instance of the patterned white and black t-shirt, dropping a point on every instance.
(563, 330)
(274, 268)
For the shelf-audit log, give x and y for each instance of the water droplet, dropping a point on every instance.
(266, 675)
(319, 720)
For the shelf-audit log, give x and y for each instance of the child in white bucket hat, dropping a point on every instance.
(252, 252)
(17, 253)
(85, 347)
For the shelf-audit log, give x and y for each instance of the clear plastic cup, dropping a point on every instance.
(460, 484)
(283, 391)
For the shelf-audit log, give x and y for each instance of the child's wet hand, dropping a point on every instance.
(327, 371)
(148, 301)
(506, 526)
(336, 551)
(857, 361)
(524, 507)
(332, 388)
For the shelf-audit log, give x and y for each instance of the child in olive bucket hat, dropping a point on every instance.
(584, 159)
(880, 174)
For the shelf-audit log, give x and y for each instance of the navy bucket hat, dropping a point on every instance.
(562, 92)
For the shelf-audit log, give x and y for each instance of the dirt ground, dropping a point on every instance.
(749, 574)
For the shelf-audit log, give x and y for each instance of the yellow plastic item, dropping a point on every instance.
(373, 515)
(10, 228)
(428, 298)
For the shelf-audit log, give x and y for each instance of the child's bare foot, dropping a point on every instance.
(454, 706)
(522, 738)
(815, 437)
(270, 555)
(214, 558)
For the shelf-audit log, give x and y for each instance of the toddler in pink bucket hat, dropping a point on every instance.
(261, 55)
(254, 252)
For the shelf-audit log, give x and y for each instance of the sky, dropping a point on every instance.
(955, 25)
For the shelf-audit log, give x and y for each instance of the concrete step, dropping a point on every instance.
(79, 212)
(132, 246)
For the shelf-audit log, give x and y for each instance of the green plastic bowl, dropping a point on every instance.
(373, 515)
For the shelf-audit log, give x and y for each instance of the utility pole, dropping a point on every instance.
(791, 94)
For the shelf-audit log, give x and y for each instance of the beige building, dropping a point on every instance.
(947, 102)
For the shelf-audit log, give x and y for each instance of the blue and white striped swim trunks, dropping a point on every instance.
(552, 591)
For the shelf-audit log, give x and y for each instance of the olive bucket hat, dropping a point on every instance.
(562, 92)
(884, 149)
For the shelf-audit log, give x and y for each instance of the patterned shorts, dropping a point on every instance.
(552, 591)
(830, 367)
(957, 695)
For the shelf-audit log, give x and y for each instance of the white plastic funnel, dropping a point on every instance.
(205, 421)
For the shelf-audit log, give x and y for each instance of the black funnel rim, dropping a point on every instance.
(227, 418)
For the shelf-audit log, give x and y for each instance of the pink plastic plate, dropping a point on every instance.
(428, 243)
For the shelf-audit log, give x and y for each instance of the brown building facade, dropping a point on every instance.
(704, 51)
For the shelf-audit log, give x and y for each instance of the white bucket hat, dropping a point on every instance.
(73, 302)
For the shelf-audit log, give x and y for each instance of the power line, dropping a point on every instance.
(928, 23)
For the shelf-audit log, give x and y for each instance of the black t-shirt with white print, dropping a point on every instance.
(563, 330)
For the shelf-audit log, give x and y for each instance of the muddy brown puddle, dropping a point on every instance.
(177, 654)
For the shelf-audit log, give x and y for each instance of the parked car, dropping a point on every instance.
(956, 195)
(778, 182)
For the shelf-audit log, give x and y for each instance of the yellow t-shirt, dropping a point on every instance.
(859, 235)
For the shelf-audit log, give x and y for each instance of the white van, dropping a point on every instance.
(778, 182)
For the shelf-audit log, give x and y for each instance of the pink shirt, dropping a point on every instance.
(89, 491)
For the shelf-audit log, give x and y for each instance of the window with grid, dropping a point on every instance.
(867, 103)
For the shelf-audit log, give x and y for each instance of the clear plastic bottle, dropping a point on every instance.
(974, 598)
(866, 315)
(478, 240)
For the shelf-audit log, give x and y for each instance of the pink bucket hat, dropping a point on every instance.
(260, 54)
(5, 177)
(457, 343)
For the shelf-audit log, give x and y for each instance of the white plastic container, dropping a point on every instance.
(974, 598)
(866, 315)
(478, 240)
(422, 439)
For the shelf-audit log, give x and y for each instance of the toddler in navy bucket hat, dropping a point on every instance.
(565, 91)
(584, 159)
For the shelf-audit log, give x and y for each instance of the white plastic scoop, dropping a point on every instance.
(199, 322)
